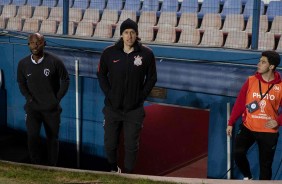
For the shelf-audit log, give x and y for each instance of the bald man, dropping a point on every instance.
(43, 80)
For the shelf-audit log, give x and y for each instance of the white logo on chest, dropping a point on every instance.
(138, 60)
(46, 72)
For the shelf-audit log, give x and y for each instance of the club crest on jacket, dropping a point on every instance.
(138, 60)
(46, 72)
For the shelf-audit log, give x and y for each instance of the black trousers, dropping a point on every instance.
(131, 123)
(266, 145)
(51, 121)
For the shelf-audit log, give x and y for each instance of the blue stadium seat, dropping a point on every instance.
(82, 4)
(133, 5)
(19, 2)
(97, 4)
(248, 10)
(5, 2)
(34, 2)
(231, 7)
(114, 5)
(189, 6)
(209, 6)
(170, 6)
(49, 3)
(274, 9)
(150, 5)
(60, 3)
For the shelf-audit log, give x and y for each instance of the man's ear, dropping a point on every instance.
(271, 67)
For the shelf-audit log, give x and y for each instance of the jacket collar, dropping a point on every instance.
(137, 45)
(276, 79)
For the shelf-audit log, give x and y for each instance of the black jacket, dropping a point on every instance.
(43, 84)
(126, 79)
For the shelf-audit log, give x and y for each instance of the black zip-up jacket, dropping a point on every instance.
(126, 79)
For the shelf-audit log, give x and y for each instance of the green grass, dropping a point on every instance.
(24, 174)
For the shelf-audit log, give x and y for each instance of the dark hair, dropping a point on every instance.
(273, 57)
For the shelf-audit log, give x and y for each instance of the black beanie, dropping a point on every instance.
(128, 24)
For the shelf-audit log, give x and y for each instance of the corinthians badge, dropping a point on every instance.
(138, 60)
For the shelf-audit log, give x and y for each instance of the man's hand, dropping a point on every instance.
(229, 130)
(271, 124)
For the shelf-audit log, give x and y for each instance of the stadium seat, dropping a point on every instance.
(169, 18)
(125, 14)
(233, 22)
(34, 3)
(148, 17)
(75, 15)
(14, 24)
(24, 12)
(91, 15)
(49, 3)
(146, 32)
(169, 6)
(189, 6)
(263, 25)
(56, 14)
(48, 27)
(82, 4)
(70, 30)
(212, 38)
(166, 34)
(117, 32)
(61, 3)
(248, 10)
(237, 40)
(31, 25)
(97, 4)
(9, 11)
(276, 26)
(150, 5)
(2, 23)
(114, 4)
(103, 30)
(188, 20)
(279, 46)
(266, 41)
(19, 2)
(190, 36)
(209, 6)
(211, 20)
(274, 9)
(84, 29)
(41, 13)
(132, 5)
(109, 16)
(5, 2)
(231, 7)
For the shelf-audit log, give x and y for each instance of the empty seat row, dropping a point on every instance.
(231, 22)
(76, 14)
(188, 6)
(49, 3)
(165, 34)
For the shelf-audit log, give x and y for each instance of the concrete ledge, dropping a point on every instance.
(157, 178)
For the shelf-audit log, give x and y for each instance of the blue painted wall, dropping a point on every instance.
(195, 77)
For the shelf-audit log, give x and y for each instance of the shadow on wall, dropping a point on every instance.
(13, 147)
(3, 101)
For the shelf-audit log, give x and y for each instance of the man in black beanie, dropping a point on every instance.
(126, 74)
